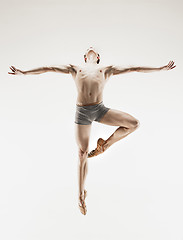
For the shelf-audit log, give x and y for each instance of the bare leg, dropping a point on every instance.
(82, 177)
(126, 122)
(120, 133)
(83, 168)
(85, 172)
(82, 139)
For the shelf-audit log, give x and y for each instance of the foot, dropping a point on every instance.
(101, 147)
(82, 205)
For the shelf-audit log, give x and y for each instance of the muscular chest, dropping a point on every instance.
(89, 78)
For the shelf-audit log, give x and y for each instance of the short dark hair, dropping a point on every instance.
(97, 60)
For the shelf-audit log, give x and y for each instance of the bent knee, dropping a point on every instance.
(136, 124)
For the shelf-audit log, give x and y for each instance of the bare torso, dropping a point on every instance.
(90, 81)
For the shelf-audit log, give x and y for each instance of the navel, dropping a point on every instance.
(100, 70)
(80, 70)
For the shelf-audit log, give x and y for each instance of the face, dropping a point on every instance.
(91, 53)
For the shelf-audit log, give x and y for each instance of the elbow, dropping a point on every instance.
(49, 69)
(136, 69)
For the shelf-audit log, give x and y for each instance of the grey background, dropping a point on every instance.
(135, 189)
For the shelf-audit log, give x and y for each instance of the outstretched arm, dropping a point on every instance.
(148, 69)
(114, 70)
(62, 69)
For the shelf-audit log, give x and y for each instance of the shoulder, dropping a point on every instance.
(108, 67)
(108, 70)
(73, 67)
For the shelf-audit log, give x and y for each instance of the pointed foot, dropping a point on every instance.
(101, 147)
(82, 205)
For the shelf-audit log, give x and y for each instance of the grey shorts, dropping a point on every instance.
(85, 115)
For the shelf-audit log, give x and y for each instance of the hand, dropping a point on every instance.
(168, 66)
(15, 71)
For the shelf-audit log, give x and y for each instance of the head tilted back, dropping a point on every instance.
(98, 58)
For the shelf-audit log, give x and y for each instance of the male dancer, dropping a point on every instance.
(90, 79)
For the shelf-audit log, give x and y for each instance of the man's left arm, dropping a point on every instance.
(118, 70)
(169, 66)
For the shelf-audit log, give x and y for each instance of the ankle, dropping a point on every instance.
(107, 144)
(81, 193)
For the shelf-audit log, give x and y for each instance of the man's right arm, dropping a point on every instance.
(61, 69)
(69, 68)
(36, 71)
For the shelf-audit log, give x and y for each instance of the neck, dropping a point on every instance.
(91, 61)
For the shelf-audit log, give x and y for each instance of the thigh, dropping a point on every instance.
(82, 134)
(118, 118)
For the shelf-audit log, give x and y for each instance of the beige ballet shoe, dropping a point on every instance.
(99, 149)
(82, 205)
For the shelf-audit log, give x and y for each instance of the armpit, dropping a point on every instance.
(72, 68)
(108, 71)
